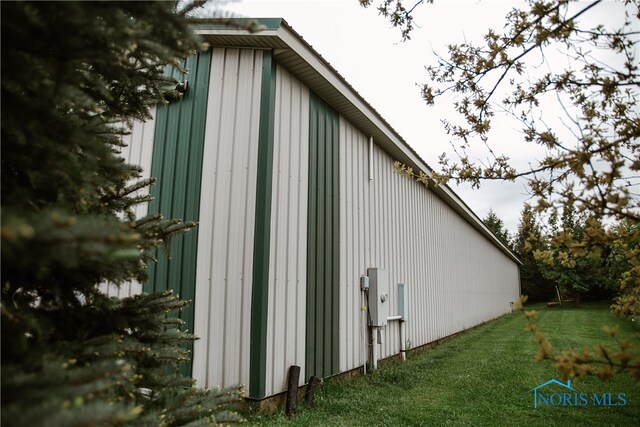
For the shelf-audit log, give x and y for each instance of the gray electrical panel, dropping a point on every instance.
(378, 296)
(403, 301)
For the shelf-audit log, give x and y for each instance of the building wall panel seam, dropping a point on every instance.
(225, 247)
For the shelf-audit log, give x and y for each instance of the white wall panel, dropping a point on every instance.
(456, 278)
(288, 254)
(227, 216)
(138, 151)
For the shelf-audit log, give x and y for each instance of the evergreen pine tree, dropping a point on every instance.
(529, 238)
(71, 356)
(496, 225)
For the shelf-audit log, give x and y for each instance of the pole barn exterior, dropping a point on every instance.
(289, 173)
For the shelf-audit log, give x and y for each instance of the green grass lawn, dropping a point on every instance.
(481, 377)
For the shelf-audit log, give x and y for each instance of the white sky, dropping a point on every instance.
(386, 72)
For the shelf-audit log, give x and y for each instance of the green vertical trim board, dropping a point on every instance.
(323, 234)
(177, 163)
(312, 230)
(262, 238)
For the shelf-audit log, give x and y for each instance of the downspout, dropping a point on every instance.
(371, 158)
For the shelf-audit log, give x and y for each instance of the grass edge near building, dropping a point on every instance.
(476, 377)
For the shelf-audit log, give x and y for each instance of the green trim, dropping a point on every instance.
(266, 23)
(323, 240)
(262, 237)
(177, 162)
(312, 230)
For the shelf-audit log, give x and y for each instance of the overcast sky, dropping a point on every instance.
(386, 72)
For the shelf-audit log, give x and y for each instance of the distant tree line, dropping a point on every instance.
(551, 255)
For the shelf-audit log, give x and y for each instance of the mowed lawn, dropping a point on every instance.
(480, 377)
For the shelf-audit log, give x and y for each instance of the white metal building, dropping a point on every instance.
(290, 174)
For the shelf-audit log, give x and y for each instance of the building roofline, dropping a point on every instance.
(303, 61)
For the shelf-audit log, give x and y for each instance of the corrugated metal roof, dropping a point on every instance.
(298, 57)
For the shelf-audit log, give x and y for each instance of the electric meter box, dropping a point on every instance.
(378, 296)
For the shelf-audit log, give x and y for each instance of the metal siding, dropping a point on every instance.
(262, 237)
(322, 329)
(335, 245)
(286, 323)
(138, 149)
(227, 215)
(177, 162)
(456, 277)
(298, 57)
